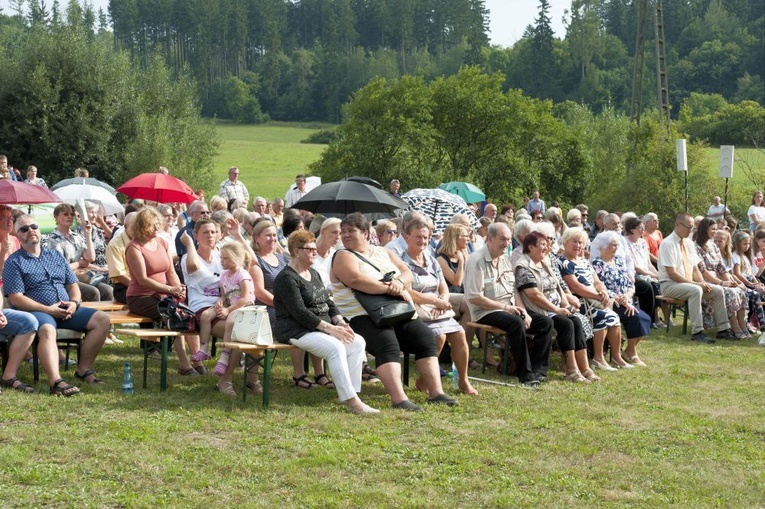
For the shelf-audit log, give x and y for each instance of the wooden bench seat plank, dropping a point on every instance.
(122, 317)
(105, 306)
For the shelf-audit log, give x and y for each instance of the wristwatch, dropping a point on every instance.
(326, 326)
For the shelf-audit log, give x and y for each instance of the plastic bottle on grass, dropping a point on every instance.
(127, 380)
(455, 376)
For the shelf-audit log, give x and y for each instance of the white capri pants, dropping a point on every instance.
(343, 359)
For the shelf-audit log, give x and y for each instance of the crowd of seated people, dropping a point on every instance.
(542, 277)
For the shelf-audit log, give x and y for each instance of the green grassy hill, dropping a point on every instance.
(268, 156)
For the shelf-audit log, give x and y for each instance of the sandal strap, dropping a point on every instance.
(88, 373)
(21, 387)
(308, 384)
(61, 388)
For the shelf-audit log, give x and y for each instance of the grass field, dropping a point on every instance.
(268, 157)
(687, 431)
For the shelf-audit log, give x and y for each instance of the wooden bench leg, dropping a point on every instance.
(406, 368)
(685, 318)
(267, 377)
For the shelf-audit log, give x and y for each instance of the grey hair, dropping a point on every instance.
(494, 228)
(19, 219)
(576, 233)
(650, 216)
(546, 228)
(523, 227)
(572, 214)
(603, 240)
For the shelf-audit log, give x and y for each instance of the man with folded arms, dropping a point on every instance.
(489, 288)
(41, 282)
(680, 278)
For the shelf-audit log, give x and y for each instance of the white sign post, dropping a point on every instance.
(726, 166)
(682, 165)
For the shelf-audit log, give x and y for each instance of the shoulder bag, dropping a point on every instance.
(384, 310)
(176, 316)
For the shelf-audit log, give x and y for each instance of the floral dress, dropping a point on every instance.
(617, 281)
(756, 313)
(583, 272)
(735, 298)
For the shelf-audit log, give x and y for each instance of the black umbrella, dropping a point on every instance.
(347, 196)
(365, 180)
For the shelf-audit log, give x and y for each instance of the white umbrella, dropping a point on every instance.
(94, 194)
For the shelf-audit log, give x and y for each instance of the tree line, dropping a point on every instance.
(302, 59)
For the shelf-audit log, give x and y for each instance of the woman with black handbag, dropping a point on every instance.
(365, 272)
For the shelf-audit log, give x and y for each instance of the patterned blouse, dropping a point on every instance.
(614, 276)
(711, 259)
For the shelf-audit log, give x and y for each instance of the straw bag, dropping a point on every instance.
(251, 325)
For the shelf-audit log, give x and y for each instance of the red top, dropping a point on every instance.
(157, 264)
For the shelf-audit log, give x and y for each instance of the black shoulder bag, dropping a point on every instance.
(384, 310)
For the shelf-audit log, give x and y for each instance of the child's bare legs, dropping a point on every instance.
(205, 328)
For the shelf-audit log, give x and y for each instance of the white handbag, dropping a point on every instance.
(251, 325)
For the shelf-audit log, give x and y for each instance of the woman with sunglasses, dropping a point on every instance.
(386, 232)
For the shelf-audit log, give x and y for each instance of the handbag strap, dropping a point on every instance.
(364, 259)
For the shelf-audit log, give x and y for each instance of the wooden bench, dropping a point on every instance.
(258, 355)
(492, 336)
(154, 340)
(672, 306)
(105, 306)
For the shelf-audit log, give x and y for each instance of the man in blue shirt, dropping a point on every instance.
(41, 282)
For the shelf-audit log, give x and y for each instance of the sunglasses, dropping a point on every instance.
(28, 227)
(205, 212)
(391, 232)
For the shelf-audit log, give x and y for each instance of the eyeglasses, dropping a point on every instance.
(391, 232)
(28, 227)
(309, 249)
(686, 226)
(551, 239)
(205, 212)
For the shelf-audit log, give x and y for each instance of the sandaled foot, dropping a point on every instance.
(255, 387)
(188, 372)
(90, 377)
(61, 388)
(226, 388)
(329, 384)
(591, 376)
(577, 377)
(17, 385)
(468, 389)
(303, 382)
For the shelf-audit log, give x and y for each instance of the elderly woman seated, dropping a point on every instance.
(364, 267)
(542, 293)
(583, 282)
(574, 218)
(308, 319)
(431, 293)
(612, 270)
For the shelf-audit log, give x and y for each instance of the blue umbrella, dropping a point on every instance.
(465, 190)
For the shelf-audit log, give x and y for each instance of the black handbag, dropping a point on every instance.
(384, 310)
(176, 316)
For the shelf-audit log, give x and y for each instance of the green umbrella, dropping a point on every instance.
(468, 192)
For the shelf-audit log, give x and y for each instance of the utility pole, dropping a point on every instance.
(662, 85)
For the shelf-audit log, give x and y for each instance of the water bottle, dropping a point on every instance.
(127, 380)
(455, 376)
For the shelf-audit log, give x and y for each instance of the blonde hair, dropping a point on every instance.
(328, 223)
(143, 224)
(257, 229)
(449, 241)
(237, 252)
(218, 203)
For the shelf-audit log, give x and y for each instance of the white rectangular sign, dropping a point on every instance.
(682, 158)
(726, 161)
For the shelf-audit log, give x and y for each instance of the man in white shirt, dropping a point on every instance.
(718, 210)
(680, 278)
(232, 188)
(297, 192)
(535, 204)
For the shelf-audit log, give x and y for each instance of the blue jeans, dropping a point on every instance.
(19, 322)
